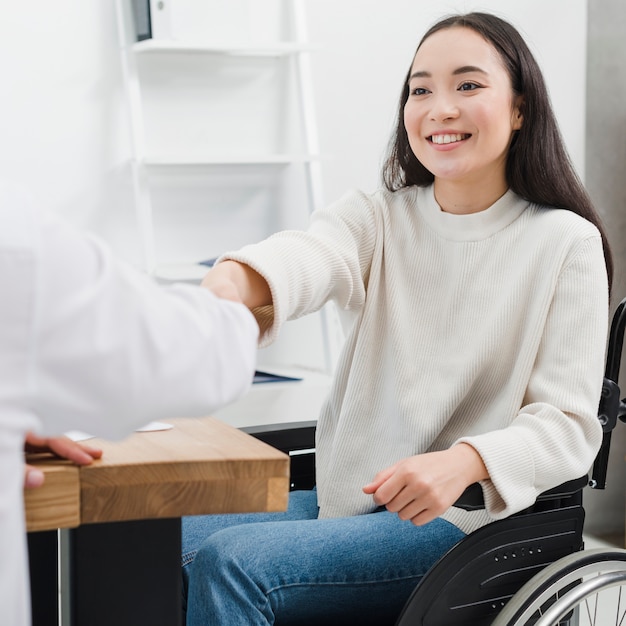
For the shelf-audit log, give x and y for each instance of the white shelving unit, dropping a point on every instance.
(224, 153)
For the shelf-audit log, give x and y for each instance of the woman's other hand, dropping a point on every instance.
(421, 488)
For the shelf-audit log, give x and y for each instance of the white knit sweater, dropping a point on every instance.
(487, 328)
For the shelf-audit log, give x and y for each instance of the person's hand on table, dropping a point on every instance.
(63, 447)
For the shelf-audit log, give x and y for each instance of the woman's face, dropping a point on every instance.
(461, 112)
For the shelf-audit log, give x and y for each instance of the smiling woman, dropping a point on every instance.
(477, 281)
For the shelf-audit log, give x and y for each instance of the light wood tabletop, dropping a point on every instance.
(200, 466)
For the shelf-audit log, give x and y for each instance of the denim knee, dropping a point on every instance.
(196, 529)
(221, 587)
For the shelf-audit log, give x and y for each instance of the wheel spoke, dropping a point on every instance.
(619, 606)
(588, 611)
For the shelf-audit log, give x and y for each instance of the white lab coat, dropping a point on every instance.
(88, 343)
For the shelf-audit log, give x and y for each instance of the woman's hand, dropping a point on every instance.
(63, 447)
(420, 488)
(222, 287)
(238, 282)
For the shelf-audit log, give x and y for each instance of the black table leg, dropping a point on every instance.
(43, 558)
(126, 573)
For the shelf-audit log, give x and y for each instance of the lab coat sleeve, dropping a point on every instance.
(114, 350)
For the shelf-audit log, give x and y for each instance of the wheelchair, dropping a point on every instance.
(528, 569)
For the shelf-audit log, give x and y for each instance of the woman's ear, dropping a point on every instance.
(517, 117)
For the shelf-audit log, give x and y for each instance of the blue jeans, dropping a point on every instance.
(292, 568)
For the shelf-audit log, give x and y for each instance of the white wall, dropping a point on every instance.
(62, 115)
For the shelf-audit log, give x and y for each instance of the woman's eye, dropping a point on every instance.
(419, 91)
(468, 86)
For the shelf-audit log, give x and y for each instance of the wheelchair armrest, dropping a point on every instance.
(472, 498)
(565, 490)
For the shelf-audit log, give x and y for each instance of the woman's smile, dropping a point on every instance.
(442, 139)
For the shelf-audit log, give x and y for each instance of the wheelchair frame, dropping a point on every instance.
(476, 579)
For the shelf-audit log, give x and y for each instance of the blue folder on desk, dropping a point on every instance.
(267, 377)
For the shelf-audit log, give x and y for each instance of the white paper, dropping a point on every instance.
(79, 435)
(154, 426)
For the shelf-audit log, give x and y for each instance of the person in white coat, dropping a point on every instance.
(89, 343)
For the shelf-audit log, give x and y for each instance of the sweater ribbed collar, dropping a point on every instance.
(472, 227)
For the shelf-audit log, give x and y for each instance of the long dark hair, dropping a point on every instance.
(538, 167)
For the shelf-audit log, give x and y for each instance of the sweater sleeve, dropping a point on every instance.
(556, 434)
(306, 269)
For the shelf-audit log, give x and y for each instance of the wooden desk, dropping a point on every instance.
(57, 503)
(125, 510)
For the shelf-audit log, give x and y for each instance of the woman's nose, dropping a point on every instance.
(443, 108)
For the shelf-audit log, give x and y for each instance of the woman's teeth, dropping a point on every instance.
(440, 139)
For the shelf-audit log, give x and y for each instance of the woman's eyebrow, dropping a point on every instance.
(468, 69)
(464, 69)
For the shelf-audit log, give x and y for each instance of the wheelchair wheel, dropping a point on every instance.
(586, 588)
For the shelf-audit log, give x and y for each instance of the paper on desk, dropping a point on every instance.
(154, 426)
(78, 435)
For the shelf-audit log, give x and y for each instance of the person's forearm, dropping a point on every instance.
(475, 468)
(252, 289)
